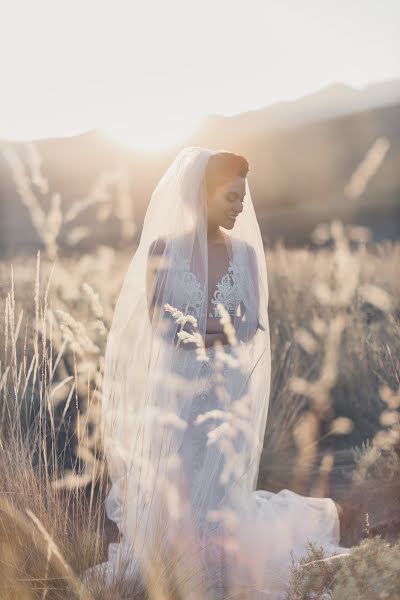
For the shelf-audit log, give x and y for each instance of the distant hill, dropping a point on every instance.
(301, 156)
(332, 101)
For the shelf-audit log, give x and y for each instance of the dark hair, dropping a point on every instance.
(222, 167)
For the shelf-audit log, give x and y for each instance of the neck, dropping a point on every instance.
(214, 233)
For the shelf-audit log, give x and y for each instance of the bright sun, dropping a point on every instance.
(152, 132)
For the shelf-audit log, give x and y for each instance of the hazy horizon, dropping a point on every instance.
(150, 72)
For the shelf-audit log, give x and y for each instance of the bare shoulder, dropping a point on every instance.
(157, 247)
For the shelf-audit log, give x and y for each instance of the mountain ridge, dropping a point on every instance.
(297, 177)
(334, 99)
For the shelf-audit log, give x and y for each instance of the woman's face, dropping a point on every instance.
(226, 203)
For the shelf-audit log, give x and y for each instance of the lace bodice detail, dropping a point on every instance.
(227, 291)
(190, 293)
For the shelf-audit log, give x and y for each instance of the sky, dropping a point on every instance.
(147, 72)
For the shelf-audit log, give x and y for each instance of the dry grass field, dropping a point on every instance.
(332, 426)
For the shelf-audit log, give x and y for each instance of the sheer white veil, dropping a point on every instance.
(152, 384)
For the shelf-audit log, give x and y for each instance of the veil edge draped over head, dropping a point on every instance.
(153, 384)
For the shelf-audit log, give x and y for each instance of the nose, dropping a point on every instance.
(239, 207)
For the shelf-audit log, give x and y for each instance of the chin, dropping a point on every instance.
(229, 224)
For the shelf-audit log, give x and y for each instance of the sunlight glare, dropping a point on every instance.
(152, 132)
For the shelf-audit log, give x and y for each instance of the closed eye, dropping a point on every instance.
(233, 195)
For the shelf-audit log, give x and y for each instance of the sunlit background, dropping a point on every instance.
(147, 72)
(99, 97)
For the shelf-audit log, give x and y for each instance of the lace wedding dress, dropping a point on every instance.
(183, 434)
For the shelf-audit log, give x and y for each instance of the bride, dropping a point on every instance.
(185, 398)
